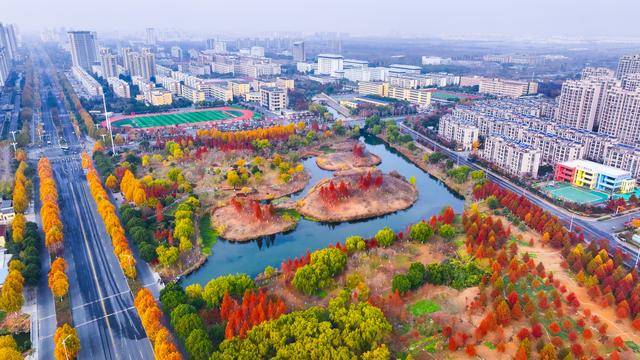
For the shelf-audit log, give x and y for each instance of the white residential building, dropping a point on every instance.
(274, 99)
(329, 64)
(89, 84)
(512, 157)
(120, 87)
(461, 132)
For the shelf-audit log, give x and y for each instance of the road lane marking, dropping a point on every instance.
(91, 264)
(105, 316)
(104, 298)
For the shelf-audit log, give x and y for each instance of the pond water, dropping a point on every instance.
(252, 257)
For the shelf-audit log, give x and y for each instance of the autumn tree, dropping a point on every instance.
(66, 343)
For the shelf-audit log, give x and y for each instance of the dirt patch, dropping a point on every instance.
(274, 190)
(392, 194)
(347, 155)
(244, 226)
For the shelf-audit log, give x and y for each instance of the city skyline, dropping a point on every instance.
(460, 18)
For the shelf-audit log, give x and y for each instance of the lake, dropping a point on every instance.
(252, 257)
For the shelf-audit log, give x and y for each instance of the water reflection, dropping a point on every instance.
(252, 257)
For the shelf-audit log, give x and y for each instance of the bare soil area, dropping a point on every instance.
(242, 227)
(348, 155)
(395, 193)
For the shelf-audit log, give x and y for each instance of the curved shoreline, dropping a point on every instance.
(362, 205)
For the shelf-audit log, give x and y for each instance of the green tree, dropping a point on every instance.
(186, 324)
(198, 345)
(447, 231)
(385, 237)
(415, 275)
(234, 284)
(400, 283)
(355, 243)
(421, 232)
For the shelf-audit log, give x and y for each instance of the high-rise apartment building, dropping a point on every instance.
(83, 48)
(142, 64)
(9, 41)
(151, 36)
(628, 64)
(4, 66)
(298, 51)
(329, 63)
(580, 101)
(620, 115)
(109, 64)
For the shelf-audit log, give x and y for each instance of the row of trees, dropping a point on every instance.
(58, 281)
(26, 251)
(87, 120)
(245, 139)
(164, 346)
(21, 189)
(254, 309)
(49, 211)
(110, 218)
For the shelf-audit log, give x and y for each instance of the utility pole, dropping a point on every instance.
(106, 117)
(14, 134)
(14, 146)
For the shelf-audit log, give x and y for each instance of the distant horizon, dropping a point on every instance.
(492, 19)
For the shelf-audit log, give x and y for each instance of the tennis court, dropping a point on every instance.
(182, 118)
(567, 192)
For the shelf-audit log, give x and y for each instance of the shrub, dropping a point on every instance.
(421, 232)
(400, 283)
(385, 237)
(355, 243)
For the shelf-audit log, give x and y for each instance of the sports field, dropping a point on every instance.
(567, 192)
(186, 117)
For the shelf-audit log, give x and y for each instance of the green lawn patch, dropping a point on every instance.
(422, 307)
(208, 234)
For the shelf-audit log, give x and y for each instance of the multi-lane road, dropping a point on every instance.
(100, 298)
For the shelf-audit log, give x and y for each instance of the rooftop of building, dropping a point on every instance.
(596, 168)
(331, 56)
(403, 66)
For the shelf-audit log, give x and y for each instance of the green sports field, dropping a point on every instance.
(567, 192)
(171, 119)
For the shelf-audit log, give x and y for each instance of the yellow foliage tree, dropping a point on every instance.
(17, 228)
(66, 342)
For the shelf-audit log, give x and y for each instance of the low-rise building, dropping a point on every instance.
(284, 83)
(273, 98)
(159, 97)
(373, 88)
(595, 176)
(217, 90)
(463, 133)
(420, 97)
(512, 157)
(507, 88)
(253, 96)
(624, 157)
(239, 87)
(192, 94)
(6, 212)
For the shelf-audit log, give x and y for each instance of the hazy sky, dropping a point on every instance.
(538, 18)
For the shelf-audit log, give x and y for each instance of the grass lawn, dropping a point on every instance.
(179, 118)
(422, 307)
(208, 234)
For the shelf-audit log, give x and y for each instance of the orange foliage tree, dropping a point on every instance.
(164, 345)
(110, 218)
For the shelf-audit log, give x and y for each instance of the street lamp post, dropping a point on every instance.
(64, 345)
(108, 121)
